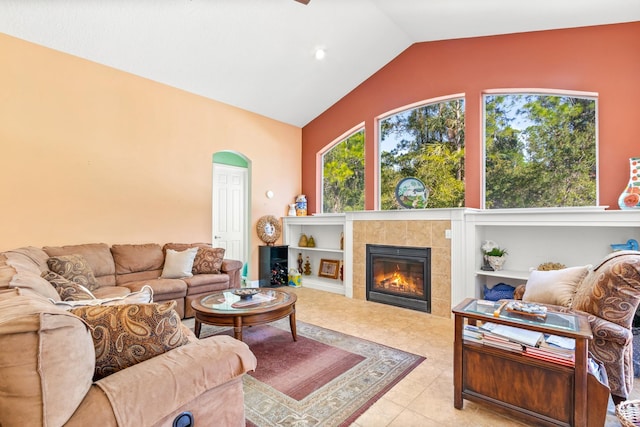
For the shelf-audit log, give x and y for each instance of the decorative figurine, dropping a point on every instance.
(300, 261)
(307, 267)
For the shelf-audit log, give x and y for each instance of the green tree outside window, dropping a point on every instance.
(343, 175)
(427, 143)
(540, 151)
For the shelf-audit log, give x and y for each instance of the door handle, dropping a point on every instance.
(217, 237)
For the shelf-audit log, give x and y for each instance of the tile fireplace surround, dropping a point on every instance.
(425, 228)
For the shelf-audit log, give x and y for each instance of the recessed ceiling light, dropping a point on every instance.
(320, 53)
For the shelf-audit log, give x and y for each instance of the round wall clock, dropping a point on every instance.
(268, 229)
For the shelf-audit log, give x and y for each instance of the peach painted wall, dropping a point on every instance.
(92, 154)
(602, 59)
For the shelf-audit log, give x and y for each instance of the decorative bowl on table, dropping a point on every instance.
(245, 293)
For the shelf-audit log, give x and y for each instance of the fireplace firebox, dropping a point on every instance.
(399, 275)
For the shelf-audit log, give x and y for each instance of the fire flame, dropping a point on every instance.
(400, 283)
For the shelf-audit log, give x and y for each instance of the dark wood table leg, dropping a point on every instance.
(292, 323)
(581, 373)
(457, 363)
(237, 328)
(196, 328)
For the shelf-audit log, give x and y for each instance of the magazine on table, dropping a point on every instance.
(522, 336)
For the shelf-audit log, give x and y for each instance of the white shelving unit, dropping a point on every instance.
(571, 236)
(326, 231)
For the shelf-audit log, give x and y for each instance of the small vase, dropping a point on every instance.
(630, 197)
(496, 262)
(292, 209)
(301, 205)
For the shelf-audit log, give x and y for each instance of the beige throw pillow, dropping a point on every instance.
(178, 264)
(554, 287)
(74, 268)
(143, 296)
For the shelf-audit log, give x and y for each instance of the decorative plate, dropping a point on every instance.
(268, 229)
(411, 193)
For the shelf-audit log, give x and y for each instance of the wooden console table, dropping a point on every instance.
(542, 392)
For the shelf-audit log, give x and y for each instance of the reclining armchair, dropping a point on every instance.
(609, 295)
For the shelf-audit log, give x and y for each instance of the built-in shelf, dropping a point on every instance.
(306, 248)
(507, 274)
(570, 236)
(327, 232)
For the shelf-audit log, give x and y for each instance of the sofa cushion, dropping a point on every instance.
(555, 287)
(111, 292)
(75, 268)
(125, 335)
(97, 255)
(46, 361)
(163, 289)
(67, 289)
(136, 258)
(208, 261)
(178, 264)
(143, 296)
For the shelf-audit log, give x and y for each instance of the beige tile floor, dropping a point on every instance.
(425, 397)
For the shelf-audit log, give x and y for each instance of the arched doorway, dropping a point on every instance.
(231, 208)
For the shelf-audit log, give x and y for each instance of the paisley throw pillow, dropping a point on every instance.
(74, 268)
(68, 290)
(208, 261)
(124, 335)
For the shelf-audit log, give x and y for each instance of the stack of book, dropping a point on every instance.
(554, 349)
(472, 333)
(551, 348)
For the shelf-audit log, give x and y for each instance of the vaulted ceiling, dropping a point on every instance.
(259, 54)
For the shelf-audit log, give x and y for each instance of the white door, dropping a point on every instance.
(230, 210)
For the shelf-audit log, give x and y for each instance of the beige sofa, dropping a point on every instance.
(49, 356)
(121, 269)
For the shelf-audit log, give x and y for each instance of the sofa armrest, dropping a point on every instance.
(232, 267)
(608, 331)
(147, 392)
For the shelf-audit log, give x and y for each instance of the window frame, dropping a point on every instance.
(320, 161)
(534, 91)
(378, 123)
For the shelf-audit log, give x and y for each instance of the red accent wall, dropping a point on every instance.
(602, 59)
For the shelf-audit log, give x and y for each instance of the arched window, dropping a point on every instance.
(343, 175)
(422, 156)
(540, 150)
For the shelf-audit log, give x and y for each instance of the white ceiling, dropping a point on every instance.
(259, 54)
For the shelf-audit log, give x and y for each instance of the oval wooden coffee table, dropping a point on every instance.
(227, 309)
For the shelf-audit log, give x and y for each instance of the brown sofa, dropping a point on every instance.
(121, 269)
(48, 357)
(609, 295)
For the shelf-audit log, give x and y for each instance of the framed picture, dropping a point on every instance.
(329, 268)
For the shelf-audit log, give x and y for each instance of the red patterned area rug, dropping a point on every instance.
(326, 378)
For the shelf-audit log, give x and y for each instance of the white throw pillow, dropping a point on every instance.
(555, 286)
(178, 264)
(143, 296)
